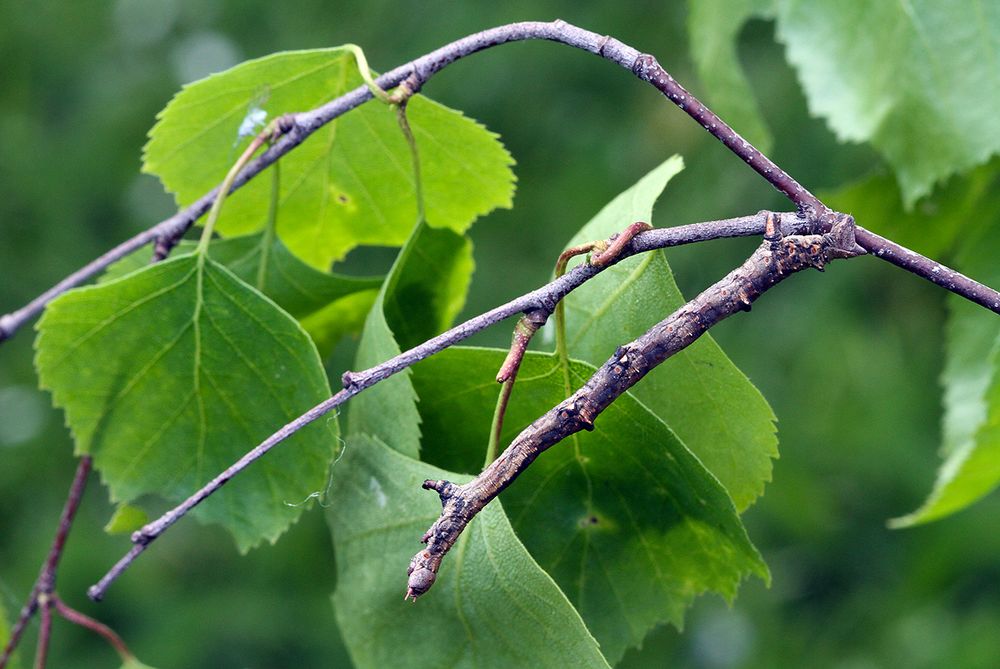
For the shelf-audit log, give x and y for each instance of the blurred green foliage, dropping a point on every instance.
(849, 360)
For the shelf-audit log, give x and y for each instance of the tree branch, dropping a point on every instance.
(775, 259)
(543, 299)
(46, 582)
(297, 127)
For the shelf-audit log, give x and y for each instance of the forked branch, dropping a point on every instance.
(775, 259)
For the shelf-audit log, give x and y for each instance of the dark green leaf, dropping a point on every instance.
(351, 182)
(491, 606)
(170, 374)
(424, 291)
(699, 392)
(625, 519)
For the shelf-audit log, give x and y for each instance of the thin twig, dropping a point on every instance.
(46, 582)
(44, 632)
(774, 260)
(297, 127)
(524, 330)
(543, 299)
(83, 620)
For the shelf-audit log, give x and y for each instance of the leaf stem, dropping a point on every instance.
(496, 427)
(366, 74)
(562, 347)
(270, 228)
(227, 186)
(524, 330)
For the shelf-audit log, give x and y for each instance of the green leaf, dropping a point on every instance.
(491, 606)
(971, 379)
(885, 73)
(126, 519)
(424, 292)
(713, 26)
(170, 374)
(704, 398)
(329, 306)
(351, 182)
(296, 287)
(626, 520)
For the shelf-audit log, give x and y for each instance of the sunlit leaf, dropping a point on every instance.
(919, 81)
(126, 519)
(348, 184)
(329, 306)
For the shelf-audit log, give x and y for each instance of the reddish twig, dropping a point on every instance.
(41, 591)
(83, 620)
(44, 632)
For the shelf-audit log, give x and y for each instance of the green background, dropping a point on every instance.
(848, 359)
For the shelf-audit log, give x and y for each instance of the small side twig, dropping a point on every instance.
(774, 260)
(524, 330)
(83, 620)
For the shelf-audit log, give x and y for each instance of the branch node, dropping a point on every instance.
(164, 244)
(349, 380)
(444, 489)
(772, 229)
(586, 415)
(140, 538)
(840, 240)
(284, 124)
(608, 252)
(406, 89)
